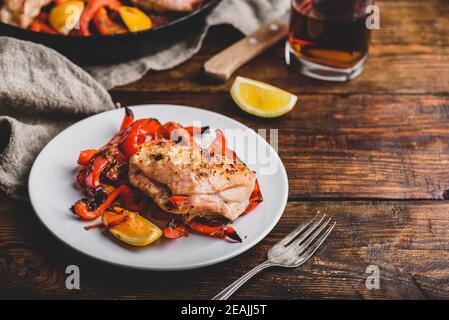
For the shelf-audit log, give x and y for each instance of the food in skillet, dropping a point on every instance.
(150, 168)
(87, 17)
(169, 5)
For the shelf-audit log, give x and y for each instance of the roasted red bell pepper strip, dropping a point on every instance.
(222, 231)
(94, 226)
(251, 207)
(255, 199)
(41, 26)
(115, 219)
(139, 132)
(134, 139)
(99, 164)
(167, 129)
(177, 201)
(42, 16)
(106, 25)
(85, 156)
(81, 177)
(128, 119)
(89, 13)
(81, 209)
(113, 173)
(174, 230)
(151, 127)
(218, 146)
(192, 130)
(129, 199)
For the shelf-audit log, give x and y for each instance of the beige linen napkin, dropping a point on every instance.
(41, 92)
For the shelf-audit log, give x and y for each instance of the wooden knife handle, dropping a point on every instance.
(221, 66)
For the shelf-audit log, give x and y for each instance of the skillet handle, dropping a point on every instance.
(221, 66)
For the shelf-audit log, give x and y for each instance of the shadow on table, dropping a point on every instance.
(35, 265)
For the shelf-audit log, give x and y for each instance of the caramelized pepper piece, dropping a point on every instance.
(41, 26)
(91, 10)
(98, 165)
(81, 208)
(174, 230)
(85, 156)
(255, 199)
(195, 130)
(139, 132)
(128, 119)
(222, 231)
(106, 25)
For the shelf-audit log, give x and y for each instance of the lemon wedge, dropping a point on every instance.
(131, 227)
(261, 99)
(135, 19)
(64, 17)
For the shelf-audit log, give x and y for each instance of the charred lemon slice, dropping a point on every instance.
(64, 17)
(135, 19)
(261, 99)
(130, 227)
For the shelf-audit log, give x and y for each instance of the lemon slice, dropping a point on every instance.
(135, 230)
(261, 99)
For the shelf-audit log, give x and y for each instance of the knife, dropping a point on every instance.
(221, 66)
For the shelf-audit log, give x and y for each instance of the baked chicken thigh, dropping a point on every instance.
(182, 178)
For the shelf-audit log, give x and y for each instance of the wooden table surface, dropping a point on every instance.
(372, 153)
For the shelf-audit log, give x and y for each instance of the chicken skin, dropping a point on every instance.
(169, 5)
(183, 178)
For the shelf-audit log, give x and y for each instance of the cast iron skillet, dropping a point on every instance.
(98, 49)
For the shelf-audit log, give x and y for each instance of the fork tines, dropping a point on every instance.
(302, 242)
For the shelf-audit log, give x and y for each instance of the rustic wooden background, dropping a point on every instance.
(372, 153)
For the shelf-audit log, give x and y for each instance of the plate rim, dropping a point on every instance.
(192, 266)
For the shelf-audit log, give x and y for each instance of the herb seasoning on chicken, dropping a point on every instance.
(185, 179)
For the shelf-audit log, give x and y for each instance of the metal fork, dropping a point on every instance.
(290, 252)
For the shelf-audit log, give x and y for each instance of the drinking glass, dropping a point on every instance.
(329, 39)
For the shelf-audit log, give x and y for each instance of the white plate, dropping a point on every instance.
(52, 192)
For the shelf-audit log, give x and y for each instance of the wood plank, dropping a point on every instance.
(408, 241)
(409, 55)
(358, 146)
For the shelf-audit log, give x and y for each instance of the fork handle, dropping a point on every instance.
(228, 291)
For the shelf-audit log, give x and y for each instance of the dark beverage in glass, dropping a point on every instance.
(328, 39)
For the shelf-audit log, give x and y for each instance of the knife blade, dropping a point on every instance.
(221, 66)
